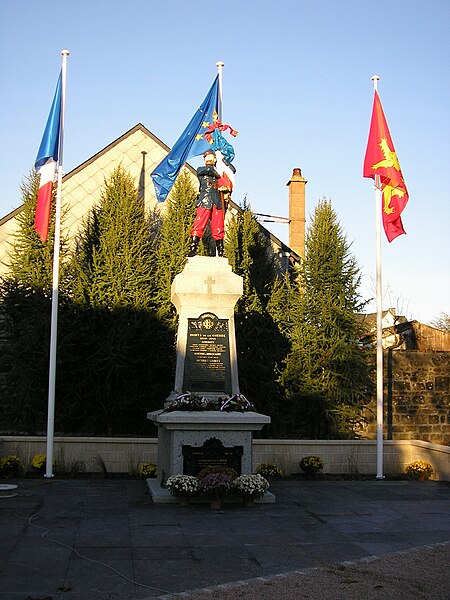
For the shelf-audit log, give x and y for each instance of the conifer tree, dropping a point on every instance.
(25, 309)
(284, 302)
(327, 375)
(171, 243)
(117, 353)
(260, 345)
(29, 260)
(113, 253)
(250, 255)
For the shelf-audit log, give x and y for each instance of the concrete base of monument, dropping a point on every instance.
(189, 441)
(163, 496)
(207, 419)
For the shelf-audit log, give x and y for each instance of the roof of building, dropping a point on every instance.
(139, 151)
(369, 320)
(409, 335)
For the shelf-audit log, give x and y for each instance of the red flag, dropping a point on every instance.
(381, 160)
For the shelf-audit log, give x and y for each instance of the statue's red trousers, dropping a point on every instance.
(203, 215)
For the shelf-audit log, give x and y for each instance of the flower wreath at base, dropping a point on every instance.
(193, 402)
(237, 402)
(190, 401)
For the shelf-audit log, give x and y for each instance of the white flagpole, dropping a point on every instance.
(55, 285)
(379, 297)
(220, 65)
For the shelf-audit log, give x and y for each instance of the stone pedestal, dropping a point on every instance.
(205, 294)
(179, 430)
(193, 428)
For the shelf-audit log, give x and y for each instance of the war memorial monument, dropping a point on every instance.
(205, 294)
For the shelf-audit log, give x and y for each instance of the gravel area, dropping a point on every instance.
(421, 573)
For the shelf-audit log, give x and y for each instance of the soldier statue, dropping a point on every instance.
(216, 182)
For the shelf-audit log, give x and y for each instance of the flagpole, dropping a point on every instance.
(55, 284)
(379, 300)
(220, 65)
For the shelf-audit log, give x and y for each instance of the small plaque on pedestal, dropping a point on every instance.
(212, 454)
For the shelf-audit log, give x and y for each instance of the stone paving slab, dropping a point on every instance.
(107, 540)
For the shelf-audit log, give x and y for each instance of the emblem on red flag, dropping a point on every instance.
(381, 159)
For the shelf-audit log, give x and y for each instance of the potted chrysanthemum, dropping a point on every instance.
(419, 469)
(148, 470)
(250, 487)
(183, 487)
(216, 486)
(269, 470)
(39, 461)
(9, 466)
(311, 465)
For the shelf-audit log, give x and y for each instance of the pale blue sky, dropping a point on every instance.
(296, 84)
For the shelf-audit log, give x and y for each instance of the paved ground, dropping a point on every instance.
(106, 540)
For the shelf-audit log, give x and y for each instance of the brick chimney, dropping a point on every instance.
(297, 221)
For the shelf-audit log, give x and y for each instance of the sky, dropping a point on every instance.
(297, 85)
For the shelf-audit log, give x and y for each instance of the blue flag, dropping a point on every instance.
(191, 143)
(49, 147)
(46, 160)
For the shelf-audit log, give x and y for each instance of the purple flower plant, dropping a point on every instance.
(216, 484)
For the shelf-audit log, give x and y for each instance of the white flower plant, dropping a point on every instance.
(182, 485)
(251, 487)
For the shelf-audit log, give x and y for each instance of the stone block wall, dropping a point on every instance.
(416, 397)
(117, 455)
(123, 455)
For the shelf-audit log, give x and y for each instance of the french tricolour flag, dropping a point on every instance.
(45, 164)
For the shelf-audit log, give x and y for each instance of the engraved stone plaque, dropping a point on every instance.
(207, 363)
(212, 454)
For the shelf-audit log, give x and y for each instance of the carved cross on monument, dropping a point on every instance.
(209, 282)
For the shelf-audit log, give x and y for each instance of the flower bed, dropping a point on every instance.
(216, 484)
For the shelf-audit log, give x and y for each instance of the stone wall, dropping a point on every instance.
(416, 397)
(124, 455)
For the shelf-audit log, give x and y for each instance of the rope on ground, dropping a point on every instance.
(92, 560)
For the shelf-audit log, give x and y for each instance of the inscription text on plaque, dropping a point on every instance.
(207, 365)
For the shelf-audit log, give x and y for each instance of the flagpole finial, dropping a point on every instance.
(375, 80)
(220, 64)
(65, 52)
